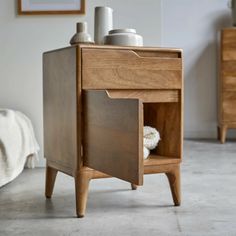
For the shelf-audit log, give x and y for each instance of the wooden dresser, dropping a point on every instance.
(227, 83)
(97, 100)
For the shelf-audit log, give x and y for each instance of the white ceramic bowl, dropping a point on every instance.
(123, 37)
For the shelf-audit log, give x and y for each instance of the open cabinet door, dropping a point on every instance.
(113, 135)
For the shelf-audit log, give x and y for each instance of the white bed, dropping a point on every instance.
(18, 145)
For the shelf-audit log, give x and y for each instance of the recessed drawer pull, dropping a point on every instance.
(126, 69)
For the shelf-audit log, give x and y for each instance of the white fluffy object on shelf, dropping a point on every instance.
(151, 138)
(146, 152)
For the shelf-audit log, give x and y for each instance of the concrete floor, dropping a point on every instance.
(208, 208)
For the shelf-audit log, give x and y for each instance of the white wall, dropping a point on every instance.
(188, 24)
(193, 25)
(23, 39)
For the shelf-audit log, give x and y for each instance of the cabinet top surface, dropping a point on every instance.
(87, 46)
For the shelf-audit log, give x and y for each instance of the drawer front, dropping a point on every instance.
(229, 44)
(228, 67)
(229, 75)
(229, 106)
(127, 69)
(229, 82)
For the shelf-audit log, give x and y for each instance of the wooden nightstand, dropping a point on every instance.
(97, 100)
(227, 83)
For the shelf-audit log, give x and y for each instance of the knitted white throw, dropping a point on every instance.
(17, 145)
(151, 138)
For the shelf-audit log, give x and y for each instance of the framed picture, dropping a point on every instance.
(43, 7)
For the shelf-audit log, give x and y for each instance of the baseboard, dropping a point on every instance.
(207, 134)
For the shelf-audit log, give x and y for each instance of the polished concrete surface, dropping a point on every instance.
(208, 207)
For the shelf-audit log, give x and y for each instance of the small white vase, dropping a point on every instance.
(82, 35)
(232, 6)
(103, 23)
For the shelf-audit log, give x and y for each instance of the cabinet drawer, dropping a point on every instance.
(228, 45)
(129, 69)
(228, 67)
(229, 105)
(229, 81)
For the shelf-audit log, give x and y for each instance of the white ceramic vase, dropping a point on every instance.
(232, 5)
(103, 23)
(82, 35)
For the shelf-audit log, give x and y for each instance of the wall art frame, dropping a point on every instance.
(49, 7)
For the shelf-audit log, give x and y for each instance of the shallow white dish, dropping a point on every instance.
(123, 37)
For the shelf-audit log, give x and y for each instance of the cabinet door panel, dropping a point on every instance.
(59, 111)
(113, 131)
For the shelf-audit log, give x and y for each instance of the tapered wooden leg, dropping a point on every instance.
(174, 181)
(134, 186)
(50, 181)
(81, 188)
(223, 131)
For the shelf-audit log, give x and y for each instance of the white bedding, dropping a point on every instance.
(17, 144)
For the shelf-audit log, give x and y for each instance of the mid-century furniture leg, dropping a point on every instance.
(174, 181)
(134, 186)
(50, 181)
(82, 180)
(223, 131)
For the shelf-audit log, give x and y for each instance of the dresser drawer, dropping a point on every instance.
(229, 82)
(228, 45)
(229, 106)
(228, 67)
(130, 69)
(229, 75)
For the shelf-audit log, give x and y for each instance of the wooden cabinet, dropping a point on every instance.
(227, 83)
(97, 100)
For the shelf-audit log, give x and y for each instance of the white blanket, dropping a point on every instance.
(151, 138)
(17, 145)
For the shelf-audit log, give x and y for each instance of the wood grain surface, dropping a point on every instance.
(128, 70)
(227, 83)
(166, 118)
(147, 96)
(60, 107)
(113, 136)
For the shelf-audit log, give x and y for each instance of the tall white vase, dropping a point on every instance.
(232, 5)
(103, 23)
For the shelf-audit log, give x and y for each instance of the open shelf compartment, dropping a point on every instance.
(166, 118)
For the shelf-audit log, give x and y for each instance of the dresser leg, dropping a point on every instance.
(134, 186)
(174, 181)
(81, 189)
(50, 181)
(218, 133)
(223, 131)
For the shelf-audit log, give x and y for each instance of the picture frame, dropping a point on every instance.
(48, 7)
